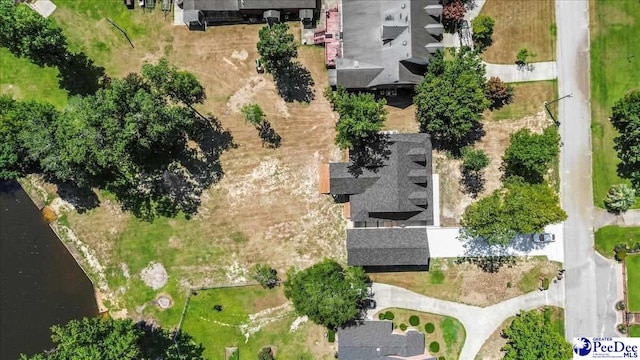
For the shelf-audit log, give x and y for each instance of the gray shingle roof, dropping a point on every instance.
(382, 34)
(389, 191)
(374, 340)
(236, 5)
(387, 247)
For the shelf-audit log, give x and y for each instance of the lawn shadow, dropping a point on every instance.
(294, 83)
(491, 257)
(268, 135)
(455, 147)
(472, 181)
(157, 343)
(79, 75)
(83, 198)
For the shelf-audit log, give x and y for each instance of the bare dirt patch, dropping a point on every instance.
(154, 276)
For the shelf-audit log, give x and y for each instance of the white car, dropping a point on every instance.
(543, 238)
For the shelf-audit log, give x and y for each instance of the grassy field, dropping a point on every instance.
(633, 282)
(468, 284)
(449, 332)
(615, 57)
(521, 24)
(528, 100)
(607, 237)
(634, 331)
(265, 209)
(252, 318)
(23, 80)
(491, 348)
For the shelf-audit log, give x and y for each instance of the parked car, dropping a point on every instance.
(259, 67)
(371, 304)
(543, 238)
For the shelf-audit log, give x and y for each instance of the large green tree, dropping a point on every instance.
(530, 337)
(626, 119)
(27, 34)
(518, 208)
(118, 339)
(276, 46)
(451, 98)
(327, 293)
(529, 155)
(178, 85)
(361, 117)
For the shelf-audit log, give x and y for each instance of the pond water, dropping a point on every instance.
(40, 282)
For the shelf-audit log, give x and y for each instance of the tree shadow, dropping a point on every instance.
(79, 75)
(82, 198)
(268, 135)
(370, 155)
(454, 147)
(158, 343)
(473, 182)
(294, 83)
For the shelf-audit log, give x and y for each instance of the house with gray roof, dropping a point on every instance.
(386, 44)
(197, 14)
(388, 202)
(375, 340)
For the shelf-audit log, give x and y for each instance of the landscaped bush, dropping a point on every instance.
(414, 320)
(389, 315)
(235, 355)
(441, 358)
(545, 284)
(622, 329)
(434, 347)
(403, 327)
(620, 305)
(381, 316)
(266, 354)
(331, 336)
(429, 328)
(621, 255)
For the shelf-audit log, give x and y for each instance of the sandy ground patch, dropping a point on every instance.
(154, 276)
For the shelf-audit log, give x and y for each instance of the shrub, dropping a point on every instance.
(434, 347)
(429, 328)
(498, 93)
(509, 285)
(235, 355)
(620, 305)
(265, 275)
(265, 354)
(381, 316)
(389, 315)
(403, 327)
(545, 284)
(441, 358)
(474, 160)
(621, 254)
(620, 198)
(331, 336)
(437, 277)
(414, 320)
(622, 329)
(482, 27)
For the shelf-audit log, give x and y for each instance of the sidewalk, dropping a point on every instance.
(603, 218)
(43, 7)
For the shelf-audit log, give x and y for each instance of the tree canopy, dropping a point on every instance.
(626, 119)
(451, 98)
(27, 34)
(482, 26)
(118, 339)
(276, 46)
(529, 155)
(620, 198)
(179, 86)
(361, 116)
(530, 337)
(327, 293)
(127, 138)
(517, 208)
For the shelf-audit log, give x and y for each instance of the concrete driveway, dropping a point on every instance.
(43, 7)
(479, 323)
(445, 243)
(514, 73)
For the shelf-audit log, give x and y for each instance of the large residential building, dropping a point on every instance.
(388, 202)
(385, 44)
(197, 14)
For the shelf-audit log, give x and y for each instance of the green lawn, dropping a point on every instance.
(449, 332)
(263, 314)
(607, 237)
(615, 58)
(528, 100)
(633, 282)
(23, 80)
(634, 331)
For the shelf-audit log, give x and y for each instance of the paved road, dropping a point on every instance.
(479, 323)
(582, 291)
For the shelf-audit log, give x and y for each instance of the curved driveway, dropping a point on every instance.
(479, 323)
